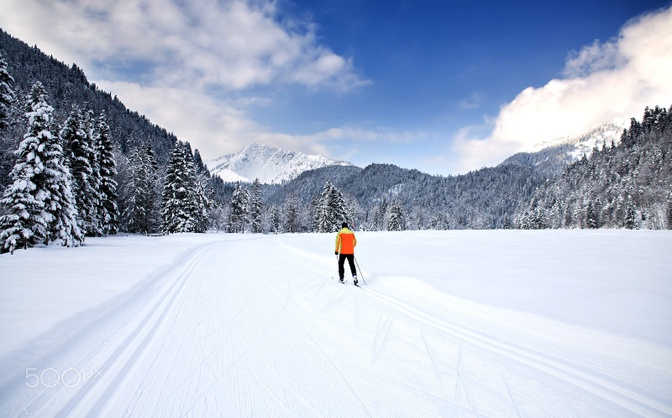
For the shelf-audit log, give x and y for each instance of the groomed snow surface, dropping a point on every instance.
(449, 324)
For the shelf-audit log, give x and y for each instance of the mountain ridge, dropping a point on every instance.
(553, 156)
(269, 164)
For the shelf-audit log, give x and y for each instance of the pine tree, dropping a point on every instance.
(292, 214)
(331, 210)
(380, 215)
(276, 220)
(256, 207)
(178, 206)
(38, 203)
(6, 93)
(630, 214)
(108, 211)
(239, 209)
(200, 196)
(397, 222)
(203, 205)
(81, 157)
(143, 203)
(61, 202)
(95, 179)
(592, 219)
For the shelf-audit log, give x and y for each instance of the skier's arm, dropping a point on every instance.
(338, 243)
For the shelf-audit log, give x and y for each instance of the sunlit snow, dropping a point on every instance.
(456, 323)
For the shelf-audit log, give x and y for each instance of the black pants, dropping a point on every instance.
(341, 261)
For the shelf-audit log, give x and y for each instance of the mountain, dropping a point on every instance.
(270, 165)
(551, 157)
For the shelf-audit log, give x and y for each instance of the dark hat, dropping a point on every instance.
(345, 225)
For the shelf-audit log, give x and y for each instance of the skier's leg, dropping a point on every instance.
(351, 261)
(341, 268)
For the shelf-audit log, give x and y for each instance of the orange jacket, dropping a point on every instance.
(345, 241)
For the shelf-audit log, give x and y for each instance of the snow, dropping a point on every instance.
(454, 323)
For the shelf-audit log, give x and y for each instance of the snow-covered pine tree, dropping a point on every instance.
(95, 180)
(108, 211)
(331, 210)
(292, 217)
(397, 221)
(321, 214)
(380, 215)
(80, 154)
(6, 93)
(275, 220)
(592, 219)
(38, 203)
(177, 207)
(238, 209)
(142, 202)
(200, 204)
(61, 201)
(630, 213)
(151, 191)
(24, 223)
(314, 212)
(256, 206)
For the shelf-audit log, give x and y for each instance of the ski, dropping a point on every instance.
(345, 281)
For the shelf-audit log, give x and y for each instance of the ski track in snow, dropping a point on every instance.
(257, 327)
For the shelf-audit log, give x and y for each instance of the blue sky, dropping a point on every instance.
(441, 86)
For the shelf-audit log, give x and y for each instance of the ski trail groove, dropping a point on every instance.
(513, 400)
(94, 397)
(435, 368)
(613, 392)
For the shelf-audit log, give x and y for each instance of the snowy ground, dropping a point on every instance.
(455, 324)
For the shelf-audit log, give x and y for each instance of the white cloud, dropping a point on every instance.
(233, 44)
(617, 78)
(191, 66)
(215, 127)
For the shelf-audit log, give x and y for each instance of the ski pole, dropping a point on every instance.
(360, 270)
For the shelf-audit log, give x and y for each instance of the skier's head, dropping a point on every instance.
(344, 225)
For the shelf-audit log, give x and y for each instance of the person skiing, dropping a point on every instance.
(345, 249)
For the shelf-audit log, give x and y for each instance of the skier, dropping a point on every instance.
(345, 245)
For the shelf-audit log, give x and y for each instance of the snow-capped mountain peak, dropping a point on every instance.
(268, 164)
(553, 156)
(605, 133)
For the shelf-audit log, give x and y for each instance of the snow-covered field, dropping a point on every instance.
(453, 324)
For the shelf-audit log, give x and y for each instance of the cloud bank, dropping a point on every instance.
(233, 44)
(617, 78)
(185, 64)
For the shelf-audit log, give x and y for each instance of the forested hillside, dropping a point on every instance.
(68, 85)
(628, 185)
(482, 199)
